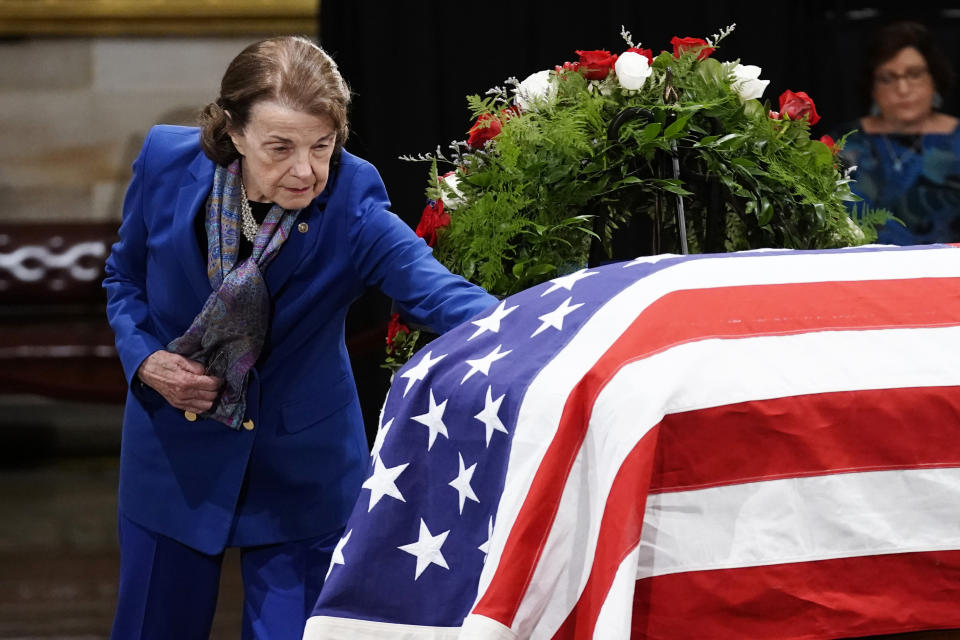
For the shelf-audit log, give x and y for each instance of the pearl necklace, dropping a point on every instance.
(248, 223)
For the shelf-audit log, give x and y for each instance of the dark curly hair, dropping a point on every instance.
(291, 70)
(890, 39)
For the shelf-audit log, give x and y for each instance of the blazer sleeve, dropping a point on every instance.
(125, 283)
(390, 256)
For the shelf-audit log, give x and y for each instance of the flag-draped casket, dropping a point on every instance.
(754, 445)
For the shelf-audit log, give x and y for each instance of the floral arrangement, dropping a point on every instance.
(557, 163)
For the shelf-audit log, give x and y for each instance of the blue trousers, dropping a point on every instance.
(168, 591)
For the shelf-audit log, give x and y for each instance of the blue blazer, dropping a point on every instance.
(297, 473)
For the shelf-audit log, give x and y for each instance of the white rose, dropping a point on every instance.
(452, 196)
(535, 88)
(852, 234)
(747, 82)
(854, 228)
(632, 70)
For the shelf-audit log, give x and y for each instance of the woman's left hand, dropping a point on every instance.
(180, 381)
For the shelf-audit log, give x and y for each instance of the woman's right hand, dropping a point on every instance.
(180, 381)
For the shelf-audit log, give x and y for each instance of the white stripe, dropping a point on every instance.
(699, 375)
(543, 403)
(801, 520)
(483, 628)
(544, 400)
(334, 628)
(616, 614)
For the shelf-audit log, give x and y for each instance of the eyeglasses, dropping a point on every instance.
(913, 76)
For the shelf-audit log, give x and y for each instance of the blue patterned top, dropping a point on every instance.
(916, 177)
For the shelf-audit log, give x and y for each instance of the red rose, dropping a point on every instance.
(567, 66)
(689, 44)
(393, 329)
(774, 115)
(830, 142)
(487, 127)
(797, 106)
(510, 112)
(433, 218)
(644, 52)
(596, 64)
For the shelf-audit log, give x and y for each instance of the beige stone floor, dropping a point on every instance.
(58, 553)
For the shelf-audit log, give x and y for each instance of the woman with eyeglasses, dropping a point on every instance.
(906, 152)
(244, 242)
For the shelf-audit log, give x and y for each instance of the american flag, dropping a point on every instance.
(753, 445)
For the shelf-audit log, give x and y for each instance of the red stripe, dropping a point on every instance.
(685, 316)
(796, 436)
(763, 440)
(620, 529)
(803, 601)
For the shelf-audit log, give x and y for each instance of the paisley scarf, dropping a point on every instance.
(228, 333)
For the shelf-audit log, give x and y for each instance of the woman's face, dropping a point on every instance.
(286, 154)
(903, 88)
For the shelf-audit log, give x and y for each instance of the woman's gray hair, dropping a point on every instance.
(290, 70)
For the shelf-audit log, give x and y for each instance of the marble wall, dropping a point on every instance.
(74, 112)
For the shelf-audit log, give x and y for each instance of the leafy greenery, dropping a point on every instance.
(401, 347)
(580, 159)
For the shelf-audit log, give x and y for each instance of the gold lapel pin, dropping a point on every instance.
(303, 227)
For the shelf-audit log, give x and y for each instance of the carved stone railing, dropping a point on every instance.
(54, 336)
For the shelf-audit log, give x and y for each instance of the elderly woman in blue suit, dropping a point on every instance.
(243, 244)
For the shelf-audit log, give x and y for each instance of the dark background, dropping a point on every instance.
(410, 65)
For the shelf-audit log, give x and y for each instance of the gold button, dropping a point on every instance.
(303, 227)
(248, 425)
(190, 415)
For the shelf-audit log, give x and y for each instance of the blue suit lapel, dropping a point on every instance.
(193, 192)
(303, 240)
(301, 243)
